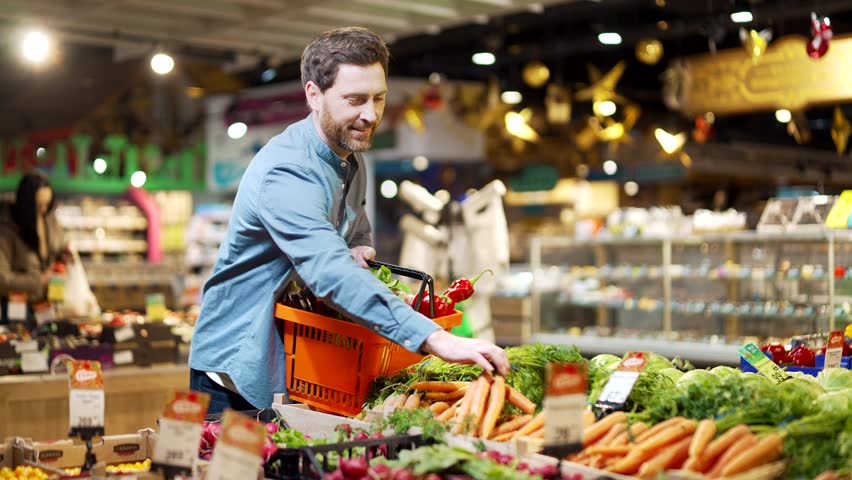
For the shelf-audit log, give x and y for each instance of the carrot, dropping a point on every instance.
(477, 408)
(668, 457)
(631, 463)
(503, 437)
(611, 434)
(703, 435)
(588, 417)
(656, 428)
(631, 434)
(720, 445)
(512, 425)
(609, 450)
(496, 401)
(518, 399)
(599, 428)
(448, 396)
(669, 435)
(537, 434)
(746, 442)
(767, 449)
(471, 401)
(413, 401)
(449, 413)
(438, 408)
(445, 387)
(693, 464)
(533, 425)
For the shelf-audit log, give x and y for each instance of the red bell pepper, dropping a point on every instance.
(462, 289)
(804, 357)
(441, 305)
(779, 353)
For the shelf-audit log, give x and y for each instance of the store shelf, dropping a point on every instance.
(108, 223)
(687, 272)
(696, 352)
(734, 237)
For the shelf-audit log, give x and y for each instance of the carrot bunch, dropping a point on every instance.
(474, 408)
(678, 443)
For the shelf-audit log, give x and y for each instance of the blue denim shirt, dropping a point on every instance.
(287, 221)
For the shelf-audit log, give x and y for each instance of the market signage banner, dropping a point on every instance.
(731, 82)
(68, 158)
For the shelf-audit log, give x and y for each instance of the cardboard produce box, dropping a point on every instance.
(315, 424)
(130, 448)
(58, 454)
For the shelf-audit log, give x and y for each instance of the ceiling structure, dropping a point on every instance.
(105, 42)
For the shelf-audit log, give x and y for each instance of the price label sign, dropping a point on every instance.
(238, 451)
(56, 289)
(621, 382)
(155, 307)
(86, 397)
(17, 306)
(838, 216)
(124, 333)
(762, 363)
(44, 313)
(180, 428)
(564, 404)
(834, 349)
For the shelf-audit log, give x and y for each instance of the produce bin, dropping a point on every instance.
(330, 363)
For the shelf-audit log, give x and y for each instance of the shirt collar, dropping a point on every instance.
(325, 152)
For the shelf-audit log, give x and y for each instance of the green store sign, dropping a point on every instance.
(69, 162)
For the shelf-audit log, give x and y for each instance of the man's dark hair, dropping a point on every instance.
(24, 210)
(352, 45)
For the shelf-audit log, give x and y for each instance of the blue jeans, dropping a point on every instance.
(220, 397)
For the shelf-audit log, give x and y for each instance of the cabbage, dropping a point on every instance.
(837, 404)
(722, 371)
(672, 373)
(803, 376)
(800, 394)
(656, 363)
(700, 378)
(604, 360)
(833, 379)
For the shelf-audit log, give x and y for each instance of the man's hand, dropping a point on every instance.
(362, 254)
(451, 348)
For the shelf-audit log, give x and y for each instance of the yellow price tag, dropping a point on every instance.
(155, 307)
(56, 289)
(838, 216)
(762, 363)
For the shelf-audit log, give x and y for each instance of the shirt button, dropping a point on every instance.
(343, 164)
(341, 186)
(376, 328)
(407, 343)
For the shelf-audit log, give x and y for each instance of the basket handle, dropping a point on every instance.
(425, 280)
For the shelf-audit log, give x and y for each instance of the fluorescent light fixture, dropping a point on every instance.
(783, 115)
(511, 97)
(605, 108)
(610, 167)
(743, 16)
(484, 58)
(162, 63)
(237, 130)
(35, 46)
(389, 189)
(609, 38)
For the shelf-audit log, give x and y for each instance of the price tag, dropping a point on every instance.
(25, 345)
(834, 349)
(56, 289)
(180, 429)
(86, 396)
(621, 382)
(762, 363)
(238, 451)
(155, 307)
(564, 404)
(124, 334)
(33, 362)
(122, 357)
(44, 313)
(17, 306)
(838, 216)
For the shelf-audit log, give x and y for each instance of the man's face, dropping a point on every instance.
(350, 110)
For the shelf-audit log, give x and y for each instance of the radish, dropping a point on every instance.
(402, 473)
(353, 467)
(269, 449)
(335, 475)
(271, 428)
(381, 471)
(360, 436)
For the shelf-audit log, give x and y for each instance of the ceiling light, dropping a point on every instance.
(268, 75)
(605, 108)
(138, 178)
(783, 115)
(389, 189)
(162, 63)
(100, 165)
(741, 12)
(670, 143)
(609, 38)
(237, 130)
(484, 58)
(41, 152)
(420, 163)
(517, 125)
(511, 97)
(631, 188)
(610, 167)
(35, 46)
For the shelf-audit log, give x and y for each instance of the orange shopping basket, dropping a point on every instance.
(331, 363)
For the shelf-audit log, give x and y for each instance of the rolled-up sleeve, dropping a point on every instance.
(293, 208)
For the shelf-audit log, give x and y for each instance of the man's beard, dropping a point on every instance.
(341, 135)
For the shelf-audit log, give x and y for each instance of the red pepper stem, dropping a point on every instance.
(474, 279)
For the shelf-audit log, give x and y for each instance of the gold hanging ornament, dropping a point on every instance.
(754, 42)
(413, 115)
(495, 109)
(649, 51)
(535, 74)
(798, 128)
(557, 103)
(602, 87)
(840, 130)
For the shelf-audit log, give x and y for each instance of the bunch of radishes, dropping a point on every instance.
(545, 471)
(210, 432)
(357, 468)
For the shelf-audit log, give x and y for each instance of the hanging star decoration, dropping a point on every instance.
(617, 133)
(602, 87)
(495, 109)
(517, 124)
(755, 42)
(798, 128)
(822, 34)
(840, 130)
